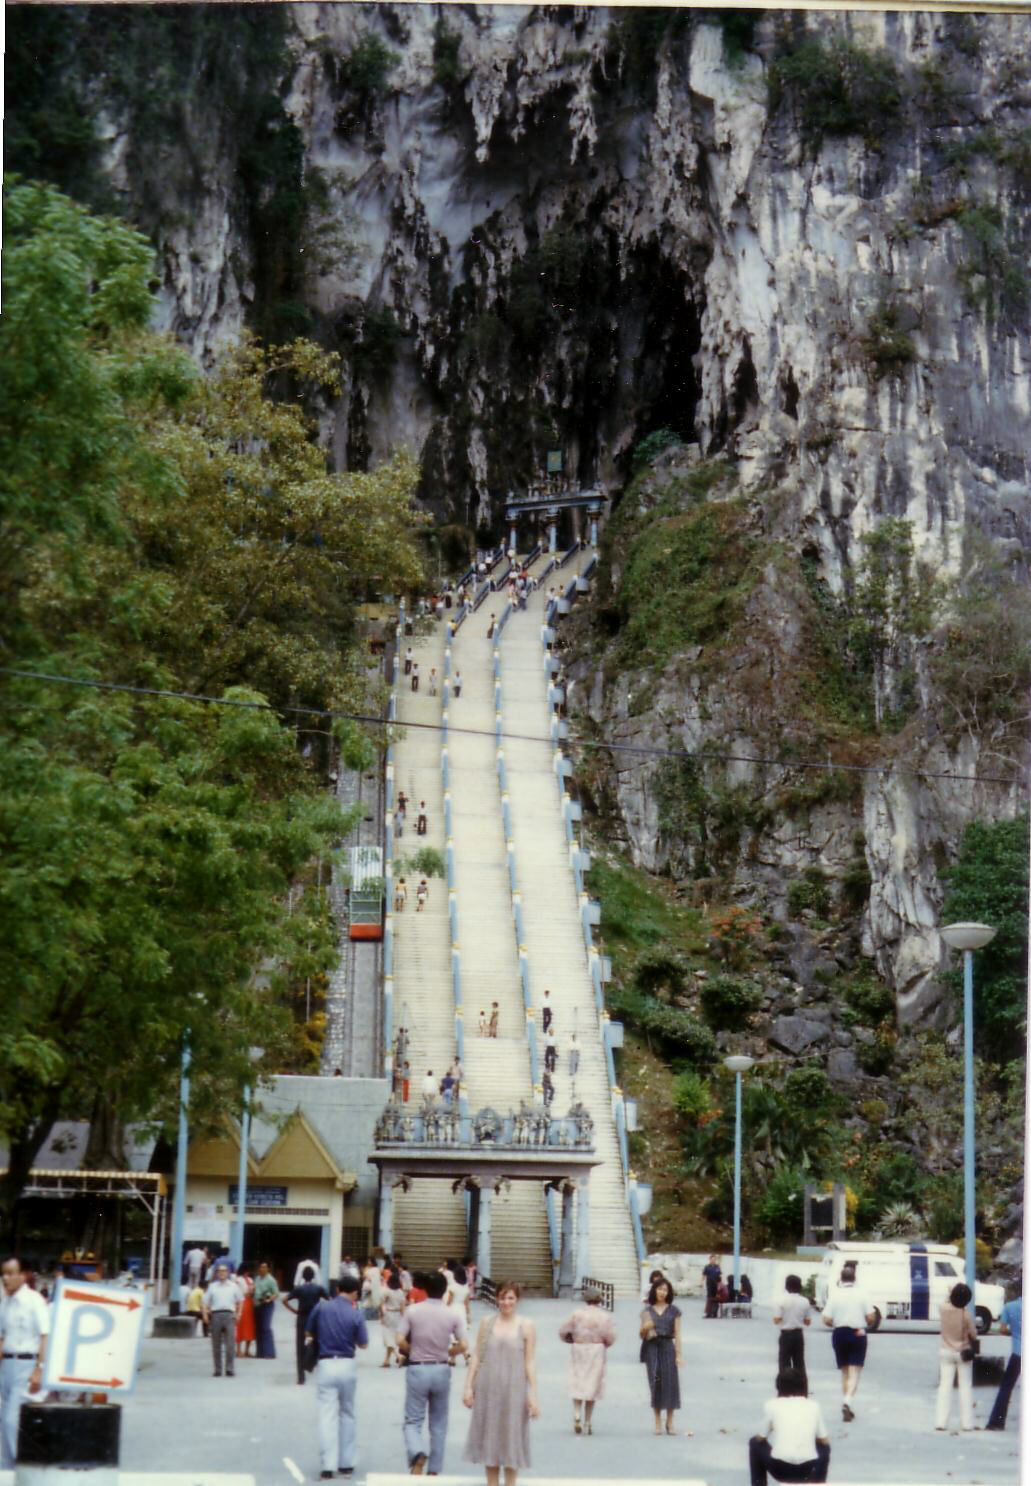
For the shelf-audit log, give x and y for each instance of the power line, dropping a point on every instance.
(636, 750)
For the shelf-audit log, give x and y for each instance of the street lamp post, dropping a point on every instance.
(175, 1267)
(236, 1244)
(968, 937)
(738, 1064)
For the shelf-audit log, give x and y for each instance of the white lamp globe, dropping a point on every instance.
(967, 936)
(738, 1062)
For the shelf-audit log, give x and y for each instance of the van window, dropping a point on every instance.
(942, 1266)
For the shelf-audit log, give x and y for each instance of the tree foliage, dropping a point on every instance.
(159, 529)
(988, 883)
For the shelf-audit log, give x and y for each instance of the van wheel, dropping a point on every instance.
(984, 1320)
(874, 1325)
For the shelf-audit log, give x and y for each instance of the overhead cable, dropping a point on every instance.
(632, 749)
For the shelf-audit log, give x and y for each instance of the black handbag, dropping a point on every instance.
(970, 1351)
(311, 1353)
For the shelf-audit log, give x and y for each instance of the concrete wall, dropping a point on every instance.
(767, 1275)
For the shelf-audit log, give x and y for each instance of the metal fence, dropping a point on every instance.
(605, 1290)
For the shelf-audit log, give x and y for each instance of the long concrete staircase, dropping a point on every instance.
(429, 1220)
(553, 935)
(497, 1069)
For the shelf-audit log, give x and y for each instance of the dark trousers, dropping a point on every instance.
(301, 1324)
(546, 1018)
(997, 1419)
(550, 1054)
(420, 826)
(791, 1350)
(762, 1461)
(263, 1323)
(712, 1305)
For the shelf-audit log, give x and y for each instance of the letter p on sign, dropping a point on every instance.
(95, 1336)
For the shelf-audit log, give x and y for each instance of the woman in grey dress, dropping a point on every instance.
(660, 1352)
(502, 1390)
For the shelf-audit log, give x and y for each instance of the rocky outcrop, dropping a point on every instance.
(573, 226)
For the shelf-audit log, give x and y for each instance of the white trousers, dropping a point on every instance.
(950, 1367)
(335, 1379)
(14, 1390)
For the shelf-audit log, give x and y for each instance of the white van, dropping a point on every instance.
(906, 1282)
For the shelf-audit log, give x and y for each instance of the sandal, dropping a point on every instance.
(670, 1431)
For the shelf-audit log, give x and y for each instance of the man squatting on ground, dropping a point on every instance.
(428, 1335)
(793, 1444)
(338, 1328)
(24, 1328)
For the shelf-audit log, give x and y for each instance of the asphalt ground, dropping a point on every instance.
(262, 1423)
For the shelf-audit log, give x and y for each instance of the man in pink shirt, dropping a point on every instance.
(427, 1334)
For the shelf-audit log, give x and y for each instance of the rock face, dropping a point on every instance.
(571, 227)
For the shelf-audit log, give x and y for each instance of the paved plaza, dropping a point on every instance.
(260, 1422)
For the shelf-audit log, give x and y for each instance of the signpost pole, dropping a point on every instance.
(175, 1266)
(236, 1248)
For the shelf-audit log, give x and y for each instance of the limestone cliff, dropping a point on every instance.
(529, 226)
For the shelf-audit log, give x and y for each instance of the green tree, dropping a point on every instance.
(988, 883)
(160, 529)
(894, 603)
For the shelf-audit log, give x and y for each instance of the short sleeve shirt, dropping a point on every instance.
(339, 1328)
(222, 1295)
(430, 1328)
(792, 1310)
(792, 1426)
(307, 1296)
(1011, 1317)
(848, 1306)
(24, 1318)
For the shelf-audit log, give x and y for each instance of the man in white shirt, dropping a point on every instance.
(550, 1049)
(196, 1263)
(849, 1312)
(791, 1314)
(792, 1444)
(222, 1306)
(24, 1328)
(300, 1276)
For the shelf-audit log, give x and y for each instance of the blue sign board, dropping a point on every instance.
(258, 1196)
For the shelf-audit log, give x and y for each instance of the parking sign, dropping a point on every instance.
(95, 1336)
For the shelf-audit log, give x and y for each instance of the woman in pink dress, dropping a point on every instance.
(590, 1332)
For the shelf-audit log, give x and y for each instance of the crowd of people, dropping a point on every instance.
(424, 1321)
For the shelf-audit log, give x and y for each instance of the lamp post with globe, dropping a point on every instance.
(737, 1063)
(968, 937)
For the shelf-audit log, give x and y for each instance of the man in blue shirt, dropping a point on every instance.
(338, 1329)
(1009, 1323)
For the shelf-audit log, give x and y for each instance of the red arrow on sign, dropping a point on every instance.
(95, 1382)
(132, 1305)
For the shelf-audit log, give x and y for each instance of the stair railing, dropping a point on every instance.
(590, 910)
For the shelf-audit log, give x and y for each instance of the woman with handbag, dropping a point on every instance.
(957, 1348)
(590, 1332)
(660, 1352)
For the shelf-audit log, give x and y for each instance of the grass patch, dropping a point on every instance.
(686, 580)
(637, 915)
